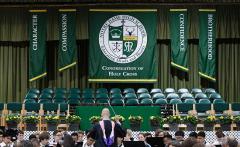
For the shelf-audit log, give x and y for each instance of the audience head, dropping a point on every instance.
(189, 142)
(57, 135)
(80, 136)
(201, 137)
(128, 136)
(44, 138)
(231, 142)
(6, 138)
(74, 136)
(105, 113)
(147, 135)
(35, 142)
(141, 137)
(179, 135)
(219, 134)
(167, 139)
(20, 135)
(31, 137)
(90, 138)
(68, 141)
(193, 135)
(159, 133)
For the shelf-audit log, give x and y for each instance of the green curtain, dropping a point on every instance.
(14, 52)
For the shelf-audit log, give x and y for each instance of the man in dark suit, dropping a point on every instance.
(107, 131)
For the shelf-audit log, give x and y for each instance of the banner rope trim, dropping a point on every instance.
(37, 10)
(207, 10)
(65, 67)
(123, 80)
(37, 77)
(206, 76)
(179, 66)
(123, 10)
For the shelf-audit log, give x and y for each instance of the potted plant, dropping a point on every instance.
(52, 122)
(135, 122)
(120, 117)
(209, 122)
(156, 122)
(236, 120)
(173, 121)
(73, 121)
(191, 122)
(31, 121)
(94, 119)
(225, 122)
(12, 120)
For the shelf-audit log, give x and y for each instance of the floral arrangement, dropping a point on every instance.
(211, 119)
(156, 120)
(236, 119)
(190, 120)
(120, 117)
(52, 119)
(173, 119)
(12, 118)
(31, 119)
(135, 119)
(73, 119)
(226, 119)
(95, 119)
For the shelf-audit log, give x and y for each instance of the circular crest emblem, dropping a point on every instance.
(123, 39)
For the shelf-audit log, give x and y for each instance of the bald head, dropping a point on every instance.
(105, 113)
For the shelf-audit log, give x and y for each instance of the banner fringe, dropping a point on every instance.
(123, 80)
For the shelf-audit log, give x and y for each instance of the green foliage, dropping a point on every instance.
(52, 119)
(12, 118)
(173, 119)
(190, 120)
(73, 119)
(135, 119)
(31, 119)
(95, 119)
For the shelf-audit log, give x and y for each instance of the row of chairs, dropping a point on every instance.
(121, 102)
(170, 98)
(119, 91)
(37, 109)
(203, 109)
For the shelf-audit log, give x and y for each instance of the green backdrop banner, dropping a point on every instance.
(37, 49)
(122, 45)
(85, 112)
(179, 34)
(67, 42)
(207, 43)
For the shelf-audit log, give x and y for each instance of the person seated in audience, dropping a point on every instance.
(35, 142)
(189, 142)
(20, 137)
(179, 136)
(128, 136)
(6, 141)
(201, 139)
(159, 133)
(75, 139)
(44, 139)
(193, 135)
(1, 136)
(231, 142)
(80, 136)
(119, 142)
(57, 138)
(68, 141)
(221, 139)
(147, 135)
(141, 137)
(90, 140)
(31, 137)
(199, 145)
(167, 140)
